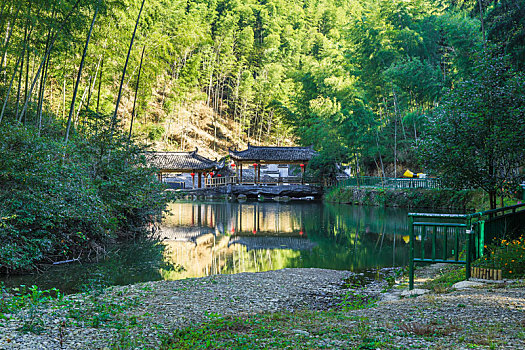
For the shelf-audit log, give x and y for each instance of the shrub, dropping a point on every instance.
(61, 201)
(509, 257)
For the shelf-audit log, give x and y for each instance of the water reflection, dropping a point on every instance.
(200, 239)
(225, 237)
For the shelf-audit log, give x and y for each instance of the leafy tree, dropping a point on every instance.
(476, 135)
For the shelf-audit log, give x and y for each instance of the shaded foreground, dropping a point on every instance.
(290, 308)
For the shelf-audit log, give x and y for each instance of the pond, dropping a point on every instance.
(204, 238)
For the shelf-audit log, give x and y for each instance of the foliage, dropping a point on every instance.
(509, 257)
(298, 330)
(24, 297)
(355, 301)
(444, 281)
(61, 201)
(413, 198)
(476, 138)
(355, 79)
(506, 27)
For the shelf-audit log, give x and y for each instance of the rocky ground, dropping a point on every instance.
(138, 316)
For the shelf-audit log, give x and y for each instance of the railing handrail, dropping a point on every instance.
(499, 210)
(439, 215)
(389, 182)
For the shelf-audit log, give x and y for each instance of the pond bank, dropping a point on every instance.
(255, 191)
(408, 198)
(302, 308)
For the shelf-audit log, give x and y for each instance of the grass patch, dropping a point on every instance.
(298, 330)
(446, 280)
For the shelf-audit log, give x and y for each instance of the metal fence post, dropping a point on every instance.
(411, 253)
(469, 251)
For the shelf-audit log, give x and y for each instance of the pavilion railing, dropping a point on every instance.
(219, 181)
(281, 180)
(390, 182)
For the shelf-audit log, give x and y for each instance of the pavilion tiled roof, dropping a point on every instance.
(275, 154)
(180, 161)
(184, 234)
(268, 242)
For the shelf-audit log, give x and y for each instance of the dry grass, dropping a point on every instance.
(429, 329)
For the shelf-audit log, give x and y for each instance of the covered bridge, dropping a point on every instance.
(255, 156)
(182, 162)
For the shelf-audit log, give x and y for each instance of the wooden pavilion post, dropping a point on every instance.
(259, 173)
(240, 182)
(199, 181)
(302, 173)
(254, 173)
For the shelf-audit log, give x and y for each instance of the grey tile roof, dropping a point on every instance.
(184, 234)
(265, 242)
(180, 161)
(276, 154)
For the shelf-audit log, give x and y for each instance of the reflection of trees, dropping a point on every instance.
(214, 254)
(228, 237)
(357, 237)
(125, 264)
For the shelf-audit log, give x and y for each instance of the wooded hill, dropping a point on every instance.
(357, 79)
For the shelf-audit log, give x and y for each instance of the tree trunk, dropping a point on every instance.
(44, 80)
(136, 92)
(9, 89)
(79, 75)
(114, 118)
(482, 24)
(37, 75)
(100, 83)
(21, 71)
(43, 84)
(8, 38)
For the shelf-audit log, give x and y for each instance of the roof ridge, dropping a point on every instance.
(291, 147)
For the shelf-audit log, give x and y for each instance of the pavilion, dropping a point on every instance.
(182, 162)
(256, 156)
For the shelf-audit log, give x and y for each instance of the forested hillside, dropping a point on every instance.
(357, 79)
(85, 85)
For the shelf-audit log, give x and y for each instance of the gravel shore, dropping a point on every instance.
(486, 316)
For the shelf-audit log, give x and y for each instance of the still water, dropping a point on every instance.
(204, 238)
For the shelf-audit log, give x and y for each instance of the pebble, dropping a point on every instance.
(414, 292)
(467, 284)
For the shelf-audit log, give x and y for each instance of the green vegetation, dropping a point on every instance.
(298, 330)
(61, 201)
(476, 138)
(444, 281)
(367, 83)
(509, 257)
(410, 198)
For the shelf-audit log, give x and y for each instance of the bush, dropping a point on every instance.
(410, 198)
(509, 257)
(61, 201)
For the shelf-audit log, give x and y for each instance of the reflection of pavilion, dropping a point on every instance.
(265, 242)
(238, 218)
(184, 234)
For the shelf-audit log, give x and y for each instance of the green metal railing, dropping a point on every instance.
(390, 182)
(459, 238)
